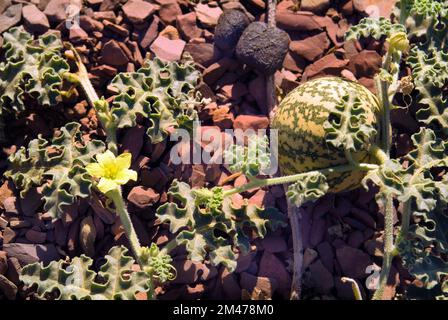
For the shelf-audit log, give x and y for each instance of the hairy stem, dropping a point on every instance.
(389, 248)
(101, 107)
(295, 218)
(270, 82)
(383, 90)
(125, 219)
(257, 183)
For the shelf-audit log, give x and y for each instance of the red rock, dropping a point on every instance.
(8, 288)
(230, 284)
(347, 74)
(132, 141)
(245, 122)
(186, 24)
(315, 6)
(272, 267)
(10, 17)
(56, 10)
(215, 71)
(347, 8)
(89, 24)
(310, 48)
(166, 49)
(3, 223)
(78, 35)
(243, 262)
(4, 5)
(9, 235)
(35, 20)
(365, 64)
(363, 217)
(113, 54)
(318, 231)
(258, 198)
(267, 285)
(234, 91)
(138, 11)
(151, 33)
(356, 239)
(328, 65)
(18, 224)
(294, 63)
(30, 253)
(274, 244)
(168, 11)
(223, 118)
(321, 278)
(187, 272)
(104, 16)
(202, 53)
(3, 262)
(208, 15)
(142, 197)
(353, 262)
(375, 8)
(326, 255)
(11, 205)
(259, 94)
(300, 21)
(115, 29)
(35, 236)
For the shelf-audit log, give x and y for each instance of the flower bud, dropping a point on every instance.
(399, 41)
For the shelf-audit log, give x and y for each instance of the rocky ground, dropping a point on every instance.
(341, 233)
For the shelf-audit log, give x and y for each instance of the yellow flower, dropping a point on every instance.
(112, 171)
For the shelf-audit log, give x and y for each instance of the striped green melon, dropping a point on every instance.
(300, 122)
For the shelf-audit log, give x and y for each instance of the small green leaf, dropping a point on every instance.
(33, 69)
(347, 127)
(162, 92)
(250, 160)
(312, 187)
(59, 165)
(375, 28)
(213, 226)
(76, 281)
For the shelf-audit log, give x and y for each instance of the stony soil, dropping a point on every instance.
(341, 233)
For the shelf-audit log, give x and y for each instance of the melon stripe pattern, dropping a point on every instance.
(300, 122)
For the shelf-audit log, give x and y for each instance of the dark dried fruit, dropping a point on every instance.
(263, 48)
(231, 25)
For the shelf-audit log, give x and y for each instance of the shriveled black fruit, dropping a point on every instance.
(231, 25)
(263, 48)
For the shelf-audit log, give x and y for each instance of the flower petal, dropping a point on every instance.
(123, 161)
(95, 170)
(106, 159)
(125, 175)
(105, 185)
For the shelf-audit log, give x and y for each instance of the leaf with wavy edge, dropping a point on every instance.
(33, 68)
(206, 231)
(251, 159)
(427, 25)
(60, 163)
(347, 128)
(76, 281)
(375, 28)
(161, 91)
(312, 187)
